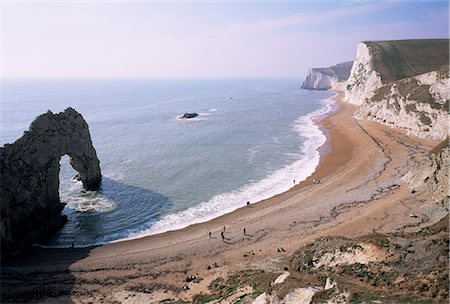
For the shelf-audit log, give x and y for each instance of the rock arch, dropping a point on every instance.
(29, 174)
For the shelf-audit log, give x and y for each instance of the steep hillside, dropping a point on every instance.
(403, 83)
(328, 78)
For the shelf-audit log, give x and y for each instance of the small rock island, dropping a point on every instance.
(29, 170)
(189, 115)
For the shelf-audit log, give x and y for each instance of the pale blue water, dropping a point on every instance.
(252, 138)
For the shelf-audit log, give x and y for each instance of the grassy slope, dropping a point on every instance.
(400, 59)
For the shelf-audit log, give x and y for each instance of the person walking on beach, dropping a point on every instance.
(248, 204)
(245, 231)
(209, 234)
(222, 235)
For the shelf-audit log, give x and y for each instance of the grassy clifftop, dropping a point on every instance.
(399, 59)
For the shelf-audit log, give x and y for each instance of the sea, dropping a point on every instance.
(251, 140)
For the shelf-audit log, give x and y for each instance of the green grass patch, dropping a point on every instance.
(424, 119)
(172, 301)
(364, 297)
(399, 59)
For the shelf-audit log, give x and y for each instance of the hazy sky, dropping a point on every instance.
(203, 38)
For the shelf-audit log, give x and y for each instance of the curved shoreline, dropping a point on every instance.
(315, 118)
(360, 193)
(333, 154)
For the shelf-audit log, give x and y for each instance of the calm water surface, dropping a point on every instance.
(250, 141)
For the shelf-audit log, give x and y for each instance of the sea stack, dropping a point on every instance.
(29, 171)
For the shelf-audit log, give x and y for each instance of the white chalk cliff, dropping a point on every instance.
(328, 78)
(363, 80)
(418, 105)
(378, 83)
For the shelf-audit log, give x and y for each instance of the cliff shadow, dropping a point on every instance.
(38, 273)
(113, 212)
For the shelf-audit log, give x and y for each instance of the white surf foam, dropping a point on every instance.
(277, 182)
(85, 201)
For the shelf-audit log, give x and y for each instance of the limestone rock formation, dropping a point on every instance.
(328, 78)
(363, 80)
(419, 105)
(403, 83)
(29, 172)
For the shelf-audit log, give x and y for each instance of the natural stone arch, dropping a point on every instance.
(29, 173)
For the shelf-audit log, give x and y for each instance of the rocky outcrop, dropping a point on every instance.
(404, 84)
(328, 78)
(29, 170)
(419, 105)
(189, 115)
(431, 173)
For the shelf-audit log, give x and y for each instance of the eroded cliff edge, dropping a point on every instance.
(29, 172)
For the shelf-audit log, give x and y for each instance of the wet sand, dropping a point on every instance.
(360, 192)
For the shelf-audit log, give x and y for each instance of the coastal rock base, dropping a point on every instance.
(29, 171)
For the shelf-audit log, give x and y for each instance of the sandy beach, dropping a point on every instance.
(360, 192)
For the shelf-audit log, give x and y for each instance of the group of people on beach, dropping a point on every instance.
(222, 233)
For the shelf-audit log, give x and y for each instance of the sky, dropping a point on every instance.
(201, 39)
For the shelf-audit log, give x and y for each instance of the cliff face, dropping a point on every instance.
(431, 173)
(418, 104)
(363, 80)
(29, 170)
(404, 84)
(328, 78)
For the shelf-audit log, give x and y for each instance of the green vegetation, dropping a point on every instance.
(425, 119)
(400, 59)
(409, 89)
(361, 297)
(411, 107)
(171, 301)
(323, 296)
(381, 93)
(220, 289)
(204, 298)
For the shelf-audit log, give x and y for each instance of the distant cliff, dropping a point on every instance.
(403, 83)
(29, 172)
(328, 78)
